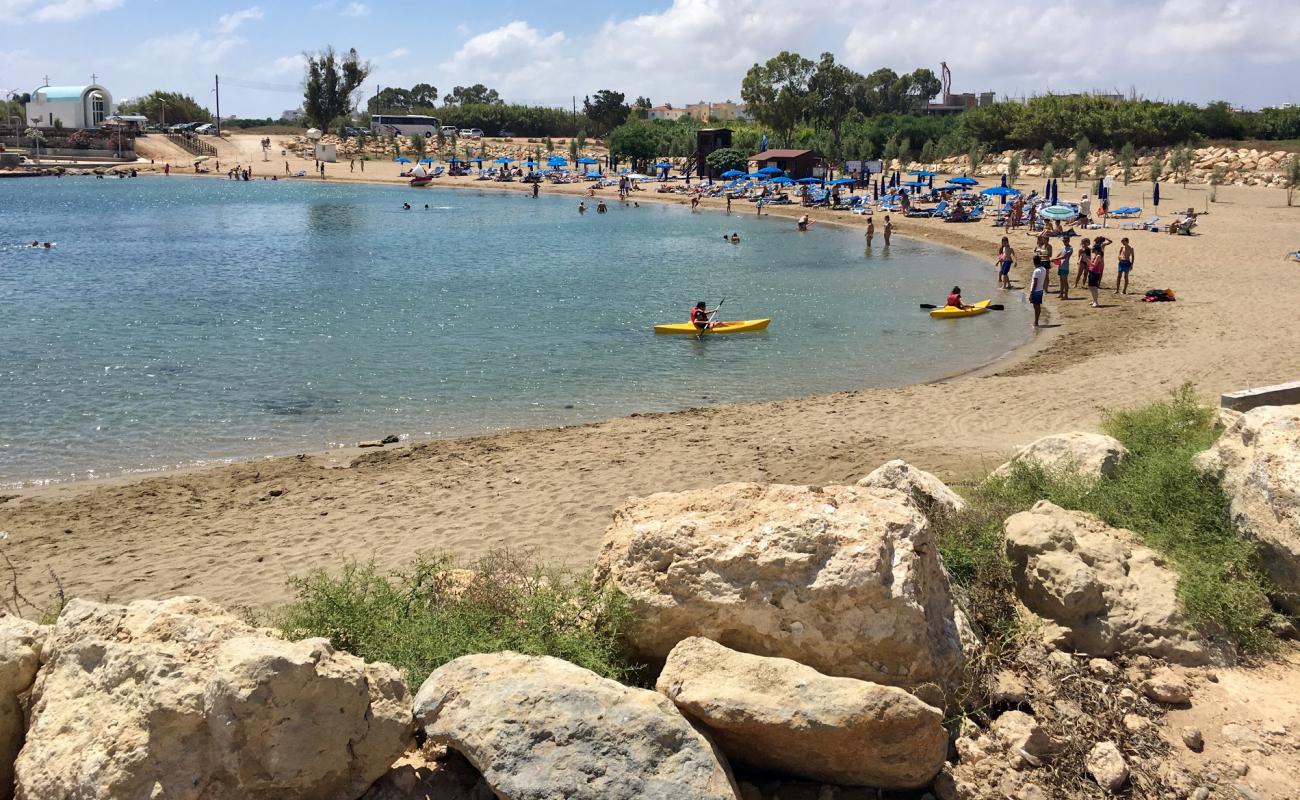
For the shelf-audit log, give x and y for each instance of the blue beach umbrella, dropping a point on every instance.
(842, 182)
(530, 163)
(732, 173)
(402, 160)
(557, 161)
(963, 181)
(784, 181)
(1000, 191)
(1004, 179)
(593, 174)
(1155, 196)
(503, 160)
(930, 180)
(1056, 192)
(755, 176)
(875, 190)
(915, 184)
(810, 180)
(1047, 190)
(426, 160)
(771, 171)
(586, 160)
(922, 173)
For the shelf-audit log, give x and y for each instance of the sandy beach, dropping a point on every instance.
(236, 533)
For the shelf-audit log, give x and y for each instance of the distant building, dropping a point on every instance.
(292, 113)
(957, 103)
(667, 112)
(718, 112)
(70, 106)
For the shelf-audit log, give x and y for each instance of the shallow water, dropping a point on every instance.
(182, 321)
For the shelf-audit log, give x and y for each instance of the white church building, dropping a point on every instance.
(70, 106)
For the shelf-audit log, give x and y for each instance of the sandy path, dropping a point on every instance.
(236, 533)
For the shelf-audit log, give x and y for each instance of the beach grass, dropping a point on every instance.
(1159, 495)
(435, 611)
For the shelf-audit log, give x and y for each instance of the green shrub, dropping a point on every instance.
(1158, 494)
(421, 618)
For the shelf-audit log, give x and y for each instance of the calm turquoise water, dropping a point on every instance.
(182, 321)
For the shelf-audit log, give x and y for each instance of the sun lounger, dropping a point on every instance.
(1150, 224)
(1125, 212)
(1183, 227)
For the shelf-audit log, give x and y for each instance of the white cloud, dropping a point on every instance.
(229, 23)
(288, 65)
(190, 46)
(396, 53)
(355, 10)
(59, 11)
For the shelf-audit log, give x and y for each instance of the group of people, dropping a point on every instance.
(1091, 265)
(871, 230)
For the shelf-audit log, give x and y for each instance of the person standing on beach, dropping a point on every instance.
(1085, 209)
(728, 202)
(889, 229)
(535, 190)
(1063, 268)
(167, 169)
(286, 168)
(1085, 256)
(1043, 251)
(1096, 266)
(871, 230)
(1125, 265)
(1006, 260)
(352, 165)
(758, 206)
(1038, 285)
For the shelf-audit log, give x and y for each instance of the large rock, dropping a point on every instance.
(845, 579)
(927, 491)
(538, 727)
(178, 700)
(1257, 459)
(1105, 592)
(20, 655)
(1090, 455)
(780, 716)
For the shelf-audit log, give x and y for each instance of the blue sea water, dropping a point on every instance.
(182, 321)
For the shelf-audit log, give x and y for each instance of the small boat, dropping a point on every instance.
(733, 326)
(421, 180)
(952, 312)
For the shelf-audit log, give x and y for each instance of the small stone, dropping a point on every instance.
(1031, 791)
(1127, 695)
(1061, 660)
(1103, 669)
(1193, 738)
(390, 439)
(276, 492)
(1134, 723)
(1167, 686)
(371, 443)
(1239, 768)
(1008, 687)
(1201, 793)
(1107, 766)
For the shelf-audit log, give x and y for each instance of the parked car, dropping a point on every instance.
(470, 133)
(350, 131)
(506, 134)
(206, 128)
(449, 131)
(476, 133)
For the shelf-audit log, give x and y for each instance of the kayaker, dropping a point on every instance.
(702, 316)
(954, 298)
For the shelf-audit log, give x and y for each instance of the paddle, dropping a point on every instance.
(993, 307)
(700, 335)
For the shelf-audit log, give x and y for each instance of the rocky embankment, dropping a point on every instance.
(807, 642)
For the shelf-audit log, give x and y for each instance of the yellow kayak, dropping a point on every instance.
(734, 326)
(952, 312)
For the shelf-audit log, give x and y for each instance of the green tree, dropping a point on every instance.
(1059, 167)
(478, 94)
(581, 139)
(975, 157)
(424, 95)
(169, 107)
(417, 144)
(549, 145)
(834, 91)
(642, 107)
(1013, 169)
(606, 112)
(905, 151)
(1049, 154)
(573, 150)
(1127, 157)
(1102, 166)
(727, 158)
(1217, 176)
(891, 150)
(777, 92)
(1157, 168)
(389, 99)
(636, 141)
(927, 152)
(1082, 149)
(1181, 163)
(331, 85)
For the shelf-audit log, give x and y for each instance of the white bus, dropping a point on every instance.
(405, 124)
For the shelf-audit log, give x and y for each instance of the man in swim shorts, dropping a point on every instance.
(1006, 260)
(1038, 285)
(1125, 265)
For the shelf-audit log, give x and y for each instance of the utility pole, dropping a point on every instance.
(575, 109)
(217, 88)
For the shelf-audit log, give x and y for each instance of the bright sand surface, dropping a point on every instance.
(235, 533)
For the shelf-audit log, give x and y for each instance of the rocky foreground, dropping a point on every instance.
(807, 642)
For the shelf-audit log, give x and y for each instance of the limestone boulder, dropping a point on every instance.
(20, 656)
(928, 492)
(1090, 455)
(777, 715)
(844, 579)
(1103, 591)
(537, 727)
(177, 699)
(1257, 460)
(1107, 766)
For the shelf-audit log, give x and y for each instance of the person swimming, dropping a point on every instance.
(406, 206)
(735, 238)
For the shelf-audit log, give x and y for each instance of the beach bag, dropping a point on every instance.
(1159, 296)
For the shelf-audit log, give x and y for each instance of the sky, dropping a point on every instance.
(674, 51)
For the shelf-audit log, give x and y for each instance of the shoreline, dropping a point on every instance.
(235, 533)
(40, 486)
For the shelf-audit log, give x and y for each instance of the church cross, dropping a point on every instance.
(93, 78)
(47, 80)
